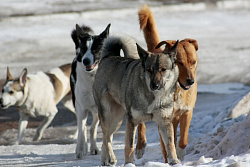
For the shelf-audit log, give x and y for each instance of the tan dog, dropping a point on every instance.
(186, 91)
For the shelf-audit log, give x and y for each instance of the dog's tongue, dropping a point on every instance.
(187, 86)
(90, 67)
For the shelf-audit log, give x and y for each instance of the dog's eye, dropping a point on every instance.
(194, 62)
(163, 69)
(180, 63)
(11, 92)
(149, 70)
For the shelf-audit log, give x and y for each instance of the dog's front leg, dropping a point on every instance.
(130, 140)
(93, 132)
(82, 145)
(23, 122)
(185, 120)
(45, 123)
(141, 140)
(167, 133)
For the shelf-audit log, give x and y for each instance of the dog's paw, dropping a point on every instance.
(94, 150)
(37, 137)
(139, 151)
(173, 162)
(79, 155)
(110, 162)
(15, 143)
(74, 136)
(180, 153)
(81, 151)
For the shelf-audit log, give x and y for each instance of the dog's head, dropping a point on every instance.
(13, 89)
(158, 66)
(88, 46)
(187, 60)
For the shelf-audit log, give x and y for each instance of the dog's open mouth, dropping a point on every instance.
(185, 87)
(90, 68)
(5, 106)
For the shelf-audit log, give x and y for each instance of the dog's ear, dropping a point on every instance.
(75, 38)
(79, 31)
(143, 54)
(23, 77)
(168, 44)
(9, 76)
(105, 33)
(194, 42)
(173, 51)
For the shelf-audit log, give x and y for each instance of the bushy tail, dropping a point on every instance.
(113, 45)
(148, 25)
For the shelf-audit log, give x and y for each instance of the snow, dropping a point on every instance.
(222, 29)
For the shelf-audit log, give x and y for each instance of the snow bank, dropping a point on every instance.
(243, 107)
(235, 142)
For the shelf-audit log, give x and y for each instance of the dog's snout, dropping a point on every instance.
(154, 86)
(86, 62)
(190, 81)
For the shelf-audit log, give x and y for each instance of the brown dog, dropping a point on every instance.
(186, 91)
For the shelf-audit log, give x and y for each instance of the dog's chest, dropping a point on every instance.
(161, 102)
(83, 77)
(183, 100)
(83, 87)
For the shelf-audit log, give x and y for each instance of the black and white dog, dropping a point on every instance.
(88, 51)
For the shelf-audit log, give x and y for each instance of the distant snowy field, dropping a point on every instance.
(222, 30)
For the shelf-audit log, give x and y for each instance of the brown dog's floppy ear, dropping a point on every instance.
(194, 42)
(9, 76)
(168, 44)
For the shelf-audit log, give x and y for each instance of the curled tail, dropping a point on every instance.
(148, 25)
(113, 45)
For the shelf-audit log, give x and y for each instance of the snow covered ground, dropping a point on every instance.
(214, 139)
(222, 29)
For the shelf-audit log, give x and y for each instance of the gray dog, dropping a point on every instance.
(142, 89)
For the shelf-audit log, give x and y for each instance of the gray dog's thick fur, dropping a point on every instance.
(142, 89)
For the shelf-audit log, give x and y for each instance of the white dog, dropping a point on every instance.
(37, 95)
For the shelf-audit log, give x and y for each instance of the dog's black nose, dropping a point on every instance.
(190, 81)
(86, 62)
(154, 86)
